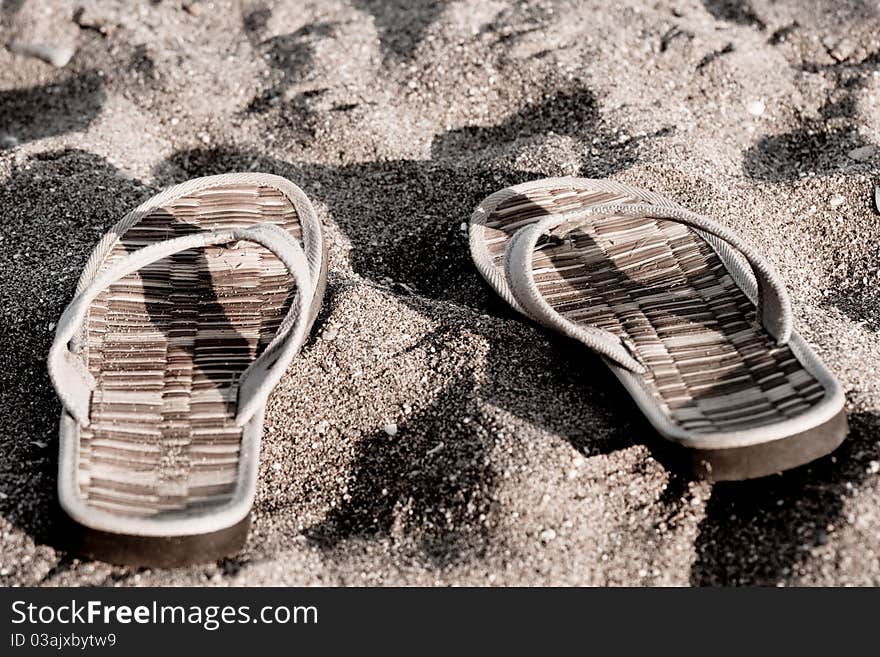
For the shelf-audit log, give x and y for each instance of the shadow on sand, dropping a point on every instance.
(58, 206)
(758, 532)
(53, 109)
(819, 145)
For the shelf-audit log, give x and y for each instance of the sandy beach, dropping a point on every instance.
(427, 435)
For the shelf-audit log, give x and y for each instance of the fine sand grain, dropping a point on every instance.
(516, 458)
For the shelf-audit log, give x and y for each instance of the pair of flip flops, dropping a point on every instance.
(191, 308)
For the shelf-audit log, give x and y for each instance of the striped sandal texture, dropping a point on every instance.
(691, 319)
(185, 318)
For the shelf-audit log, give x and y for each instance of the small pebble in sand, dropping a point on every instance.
(435, 450)
(840, 50)
(877, 199)
(276, 466)
(193, 8)
(836, 201)
(90, 18)
(8, 141)
(548, 535)
(391, 428)
(862, 153)
(874, 467)
(57, 56)
(756, 107)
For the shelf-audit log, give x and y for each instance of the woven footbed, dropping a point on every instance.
(167, 345)
(658, 286)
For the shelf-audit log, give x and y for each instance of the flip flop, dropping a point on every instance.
(692, 320)
(185, 318)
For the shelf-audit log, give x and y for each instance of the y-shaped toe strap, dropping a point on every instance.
(774, 307)
(75, 384)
